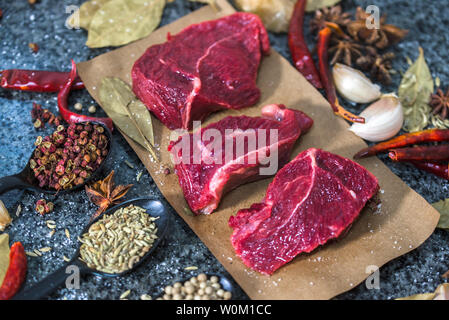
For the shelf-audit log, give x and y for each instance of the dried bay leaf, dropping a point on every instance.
(85, 13)
(127, 112)
(117, 94)
(414, 92)
(443, 208)
(441, 293)
(143, 119)
(4, 255)
(119, 22)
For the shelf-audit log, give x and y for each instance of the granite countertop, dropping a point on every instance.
(43, 23)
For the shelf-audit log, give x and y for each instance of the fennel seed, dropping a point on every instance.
(125, 294)
(116, 242)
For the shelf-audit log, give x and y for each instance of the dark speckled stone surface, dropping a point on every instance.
(43, 23)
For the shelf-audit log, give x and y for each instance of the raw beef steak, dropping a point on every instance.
(206, 67)
(243, 148)
(311, 200)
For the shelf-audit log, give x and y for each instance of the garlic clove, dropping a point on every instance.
(383, 119)
(353, 85)
(5, 218)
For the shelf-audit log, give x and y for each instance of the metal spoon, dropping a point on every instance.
(26, 180)
(155, 208)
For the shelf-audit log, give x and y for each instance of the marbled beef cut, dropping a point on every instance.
(206, 67)
(204, 182)
(311, 200)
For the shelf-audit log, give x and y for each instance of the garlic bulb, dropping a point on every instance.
(383, 119)
(354, 85)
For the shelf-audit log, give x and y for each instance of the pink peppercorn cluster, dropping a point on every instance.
(40, 116)
(44, 207)
(69, 156)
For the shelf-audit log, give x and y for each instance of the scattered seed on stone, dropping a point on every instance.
(125, 294)
(67, 233)
(78, 106)
(129, 164)
(45, 249)
(31, 254)
(191, 268)
(92, 109)
(19, 210)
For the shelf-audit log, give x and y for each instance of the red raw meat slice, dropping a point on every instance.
(311, 200)
(206, 180)
(206, 67)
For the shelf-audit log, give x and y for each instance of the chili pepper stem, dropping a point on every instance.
(327, 80)
(72, 117)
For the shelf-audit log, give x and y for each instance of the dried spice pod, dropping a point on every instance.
(378, 66)
(345, 51)
(381, 37)
(439, 102)
(104, 193)
(333, 14)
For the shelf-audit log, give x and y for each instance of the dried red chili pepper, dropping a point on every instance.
(407, 139)
(72, 117)
(326, 77)
(15, 275)
(301, 55)
(36, 80)
(438, 169)
(422, 153)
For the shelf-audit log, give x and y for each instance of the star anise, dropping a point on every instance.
(104, 193)
(344, 50)
(382, 37)
(378, 65)
(333, 14)
(440, 103)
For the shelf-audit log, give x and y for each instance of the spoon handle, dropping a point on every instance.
(67, 273)
(11, 182)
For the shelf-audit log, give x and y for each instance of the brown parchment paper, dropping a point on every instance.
(403, 223)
